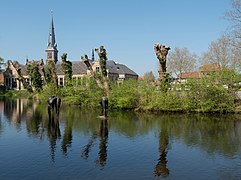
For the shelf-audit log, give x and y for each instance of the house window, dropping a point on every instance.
(14, 83)
(97, 69)
(61, 81)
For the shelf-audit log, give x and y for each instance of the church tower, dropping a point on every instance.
(51, 51)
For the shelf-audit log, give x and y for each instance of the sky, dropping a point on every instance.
(128, 29)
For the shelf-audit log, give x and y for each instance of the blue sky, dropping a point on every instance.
(127, 28)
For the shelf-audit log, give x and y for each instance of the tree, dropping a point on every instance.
(101, 81)
(234, 17)
(181, 60)
(33, 71)
(50, 74)
(67, 68)
(222, 53)
(149, 77)
(1, 63)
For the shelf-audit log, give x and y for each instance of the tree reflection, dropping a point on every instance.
(161, 167)
(103, 136)
(67, 137)
(103, 133)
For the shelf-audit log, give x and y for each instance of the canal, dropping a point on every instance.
(76, 144)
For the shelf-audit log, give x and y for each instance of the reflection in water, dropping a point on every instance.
(161, 167)
(53, 131)
(103, 135)
(67, 138)
(216, 137)
(86, 150)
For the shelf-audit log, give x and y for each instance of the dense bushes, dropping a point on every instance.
(202, 95)
(84, 92)
(124, 95)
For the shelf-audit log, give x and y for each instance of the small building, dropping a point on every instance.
(116, 71)
(203, 71)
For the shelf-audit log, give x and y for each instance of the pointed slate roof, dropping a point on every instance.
(51, 43)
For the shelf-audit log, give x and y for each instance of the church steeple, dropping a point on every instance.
(93, 55)
(51, 51)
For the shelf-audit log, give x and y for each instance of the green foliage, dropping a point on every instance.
(16, 94)
(47, 75)
(33, 71)
(50, 90)
(103, 58)
(67, 69)
(50, 73)
(125, 95)
(165, 82)
(86, 93)
(202, 95)
(206, 96)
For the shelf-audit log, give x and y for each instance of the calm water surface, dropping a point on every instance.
(78, 145)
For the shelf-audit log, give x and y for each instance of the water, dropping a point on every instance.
(78, 145)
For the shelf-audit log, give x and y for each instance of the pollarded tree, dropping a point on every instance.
(181, 60)
(50, 74)
(67, 68)
(1, 63)
(102, 81)
(35, 75)
(221, 52)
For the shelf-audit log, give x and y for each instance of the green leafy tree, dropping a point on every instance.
(33, 71)
(50, 74)
(67, 69)
(125, 95)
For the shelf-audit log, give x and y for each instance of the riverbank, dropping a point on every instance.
(167, 104)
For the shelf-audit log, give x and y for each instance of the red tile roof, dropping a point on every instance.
(210, 67)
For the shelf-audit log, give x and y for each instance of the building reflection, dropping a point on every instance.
(18, 109)
(161, 167)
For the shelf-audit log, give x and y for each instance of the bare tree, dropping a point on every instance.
(234, 17)
(181, 60)
(149, 76)
(221, 52)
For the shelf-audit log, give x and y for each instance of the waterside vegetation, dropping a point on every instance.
(213, 93)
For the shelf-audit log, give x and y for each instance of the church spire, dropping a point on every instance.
(51, 51)
(52, 44)
(93, 55)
